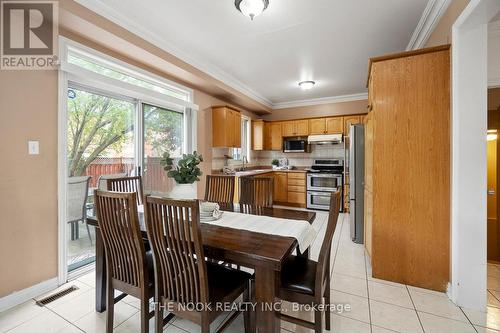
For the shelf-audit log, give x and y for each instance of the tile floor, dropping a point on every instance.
(377, 306)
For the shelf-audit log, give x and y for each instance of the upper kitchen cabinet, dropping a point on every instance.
(226, 127)
(351, 120)
(258, 135)
(295, 128)
(331, 125)
(275, 136)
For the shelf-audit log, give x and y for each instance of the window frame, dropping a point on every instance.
(245, 149)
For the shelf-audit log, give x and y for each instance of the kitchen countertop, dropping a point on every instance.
(253, 172)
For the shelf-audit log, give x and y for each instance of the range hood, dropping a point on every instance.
(324, 139)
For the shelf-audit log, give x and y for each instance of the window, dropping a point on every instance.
(244, 151)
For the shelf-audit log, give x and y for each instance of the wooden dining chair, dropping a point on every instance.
(127, 184)
(128, 267)
(102, 181)
(220, 189)
(256, 193)
(183, 276)
(305, 281)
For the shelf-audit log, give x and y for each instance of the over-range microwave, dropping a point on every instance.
(295, 146)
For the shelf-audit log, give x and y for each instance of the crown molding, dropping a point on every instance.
(204, 66)
(320, 101)
(433, 12)
(494, 83)
(494, 27)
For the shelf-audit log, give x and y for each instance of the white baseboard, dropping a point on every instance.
(24, 295)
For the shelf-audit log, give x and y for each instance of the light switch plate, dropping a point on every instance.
(33, 147)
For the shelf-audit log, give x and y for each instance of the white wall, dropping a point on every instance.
(469, 125)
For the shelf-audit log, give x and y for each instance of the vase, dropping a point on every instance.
(183, 192)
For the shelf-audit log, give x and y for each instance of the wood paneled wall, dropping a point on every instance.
(410, 101)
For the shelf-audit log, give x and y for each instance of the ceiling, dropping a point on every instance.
(328, 41)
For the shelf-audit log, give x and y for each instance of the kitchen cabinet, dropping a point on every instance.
(297, 188)
(273, 139)
(226, 127)
(351, 120)
(330, 125)
(280, 187)
(409, 218)
(258, 135)
(335, 125)
(295, 128)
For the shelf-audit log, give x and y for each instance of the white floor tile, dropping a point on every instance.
(488, 319)
(349, 284)
(427, 291)
(173, 329)
(76, 307)
(19, 314)
(342, 324)
(82, 288)
(438, 305)
(481, 329)
(492, 300)
(95, 322)
(47, 322)
(494, 283)
(88, 279)
(435, 324)
(376, 329)
(390, 294)
(194, 328)
(394, 317)
(358, 305)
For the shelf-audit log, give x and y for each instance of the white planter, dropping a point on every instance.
(183, 192)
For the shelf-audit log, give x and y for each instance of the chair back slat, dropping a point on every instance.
(127, 184)
(175, 237)
(220, 189)
(323, 266)
(256, 192)
(102, 181)
(119, 224)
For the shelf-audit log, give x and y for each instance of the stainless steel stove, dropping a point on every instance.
(324, 177)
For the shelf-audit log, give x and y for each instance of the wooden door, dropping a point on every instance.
(317, 126)
(257, 135)
(493, 253)
(276, 137)
(220, 137)
(335, 125)
(237, 129)
(350, 120)
(302, 127)
(411, 217)
(288, 128)
(280, 187)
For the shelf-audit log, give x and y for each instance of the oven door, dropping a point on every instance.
(318, 200)
(324, 182)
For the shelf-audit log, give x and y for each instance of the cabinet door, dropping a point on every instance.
(237, 129)
(229, 129)
(302, 127)
(276, 137)
(335, 125)
(288, 128)
(351, 120)
(280, 187)
(257, 135)
(267, 136)
(219, 135)
(317, 126)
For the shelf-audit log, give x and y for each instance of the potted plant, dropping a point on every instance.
(185, 174)
(275, 163)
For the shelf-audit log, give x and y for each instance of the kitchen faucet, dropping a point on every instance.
(244, 160)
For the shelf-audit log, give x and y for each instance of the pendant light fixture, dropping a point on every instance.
(251, 8)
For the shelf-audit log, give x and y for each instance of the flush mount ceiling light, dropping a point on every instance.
(251, 8)
(306, 85)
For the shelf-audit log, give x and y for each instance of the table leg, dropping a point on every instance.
(100, 273)
(265, 293)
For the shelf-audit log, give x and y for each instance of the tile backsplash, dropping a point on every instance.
(295, 159)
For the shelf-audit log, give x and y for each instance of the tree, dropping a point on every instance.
(100, 126)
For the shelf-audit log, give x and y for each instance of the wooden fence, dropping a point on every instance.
(154, 179)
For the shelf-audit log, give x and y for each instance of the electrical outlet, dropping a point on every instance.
(33, 147)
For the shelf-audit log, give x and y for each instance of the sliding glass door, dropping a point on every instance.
(100, 144)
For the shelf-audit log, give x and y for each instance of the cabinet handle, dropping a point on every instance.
(369, 107)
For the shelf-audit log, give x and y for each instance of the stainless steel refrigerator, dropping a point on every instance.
(356, 181)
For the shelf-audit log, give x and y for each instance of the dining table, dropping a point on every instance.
(264, 253)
